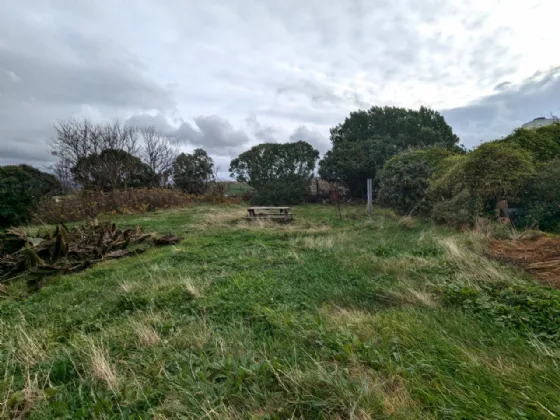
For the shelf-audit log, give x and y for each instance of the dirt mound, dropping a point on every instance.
(69, 250)
(539, 256)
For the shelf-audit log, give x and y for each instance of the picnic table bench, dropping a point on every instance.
(269, 213)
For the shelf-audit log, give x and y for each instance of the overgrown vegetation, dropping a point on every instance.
(364, 317)
(280, 173)
(405, 179)
(533, 310)
(368, 138)
(89, 204)
(521, 170)
(21, 188)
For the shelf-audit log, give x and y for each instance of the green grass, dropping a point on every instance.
(321, 318)
(237, 188)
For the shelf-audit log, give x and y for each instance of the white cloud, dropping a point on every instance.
(231, 73)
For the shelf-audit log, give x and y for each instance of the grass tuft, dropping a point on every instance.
(101, 369)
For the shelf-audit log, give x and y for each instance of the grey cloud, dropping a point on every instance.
(113, 84)
(264, 133)
(158, 122)
(498, 114)
(318, 140)
(56, 69)
(215, 134)
(211, 132)
(321, 93)
(502, 86)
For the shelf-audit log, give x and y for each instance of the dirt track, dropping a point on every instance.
(540, 257)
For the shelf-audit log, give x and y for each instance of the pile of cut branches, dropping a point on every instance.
(65, 251)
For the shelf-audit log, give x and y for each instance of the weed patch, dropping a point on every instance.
(534, 311)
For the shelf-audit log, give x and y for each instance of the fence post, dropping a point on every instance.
(369, 196)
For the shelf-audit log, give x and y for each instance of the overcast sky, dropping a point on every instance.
(227, 74)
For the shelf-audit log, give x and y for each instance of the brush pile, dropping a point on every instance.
(540, 256)
(65, 251)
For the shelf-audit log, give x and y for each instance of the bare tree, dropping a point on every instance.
(76, 139)
(158, 152)
(64, 175)
(115, 135)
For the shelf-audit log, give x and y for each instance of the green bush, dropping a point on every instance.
(280, 193)
(404, 180)
(543, 143)
(497, 171)
(457, 211)
(468, 186)
(541, 199)
(21, 188)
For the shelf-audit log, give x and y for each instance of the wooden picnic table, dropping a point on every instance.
(269, 213)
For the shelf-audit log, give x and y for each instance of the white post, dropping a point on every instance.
(369, 195)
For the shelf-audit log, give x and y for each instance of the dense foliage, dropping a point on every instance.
(497, 171)
(543, 143)
(21, 188)
(192, 172)
(404, 180)
(278, 193)
(279, 172)
(522, 169)
(113, 169)
(86, 204)
(367, 139)
(275, 162)
(541, 198)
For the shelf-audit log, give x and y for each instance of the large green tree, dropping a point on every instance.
(367, 139)
(112, 169)
(275, 162)
(192, 172)
(21, 188)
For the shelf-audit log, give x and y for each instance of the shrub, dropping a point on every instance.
(541, 200)
(405, 179)
(469, 185)
(543, 143)
(456, 211)
(280, 193)
(497, 171)
(21, 188)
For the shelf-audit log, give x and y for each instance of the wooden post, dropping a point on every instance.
(369, 196)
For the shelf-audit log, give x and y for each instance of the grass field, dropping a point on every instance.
(368, 317)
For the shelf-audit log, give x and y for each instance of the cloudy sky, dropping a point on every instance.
(226, 74)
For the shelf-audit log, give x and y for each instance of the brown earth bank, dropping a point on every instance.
(539, 256)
